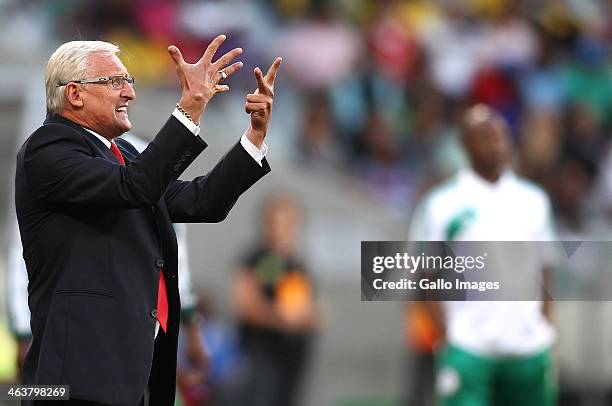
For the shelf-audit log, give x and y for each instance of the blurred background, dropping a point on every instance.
(368, 102)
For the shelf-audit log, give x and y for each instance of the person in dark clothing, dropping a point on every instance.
(277, 314)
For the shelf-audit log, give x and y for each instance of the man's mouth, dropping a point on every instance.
(122, 109)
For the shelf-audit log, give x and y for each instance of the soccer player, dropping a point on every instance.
(495, 353)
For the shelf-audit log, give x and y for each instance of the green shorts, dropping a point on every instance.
(465, 379)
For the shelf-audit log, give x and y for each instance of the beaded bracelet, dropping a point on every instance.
(182, 110)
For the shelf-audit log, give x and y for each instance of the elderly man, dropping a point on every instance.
(96, 217)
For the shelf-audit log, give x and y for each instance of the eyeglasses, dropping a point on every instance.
(117, 81)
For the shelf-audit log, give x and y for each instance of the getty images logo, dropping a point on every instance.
(414, 263)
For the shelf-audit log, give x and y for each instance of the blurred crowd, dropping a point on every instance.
(381, 84)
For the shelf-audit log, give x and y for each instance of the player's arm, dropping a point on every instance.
(423, 227)
(547, 281)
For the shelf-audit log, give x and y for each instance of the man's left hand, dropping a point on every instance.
(259, 104)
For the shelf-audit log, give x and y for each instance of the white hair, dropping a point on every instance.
(70, 62)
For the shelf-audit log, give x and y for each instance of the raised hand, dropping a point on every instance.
(259, 103)
(201, 81)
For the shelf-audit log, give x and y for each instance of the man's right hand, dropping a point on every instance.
(200, 81)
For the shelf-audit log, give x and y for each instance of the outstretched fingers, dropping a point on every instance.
(227, 58)
(212, 49)
(233, 68)
(271, 75)
(259, 103)
(176, 55)
(179, 64)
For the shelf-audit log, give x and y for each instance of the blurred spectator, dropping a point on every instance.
(543, 84)
(453, 47)
(603, 188)
(319, 142)
(422, 339)
(277, 315)
(214, 384)
(589, 78)
(540, 144)
(192, 365)
(584, 137)
(102, 17)
(321, 50)
(570, 188)
(393, 45)
(508, 39)
(497, 88)
(18, 310)
(246, 24)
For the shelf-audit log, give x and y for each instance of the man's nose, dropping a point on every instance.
(128, 91)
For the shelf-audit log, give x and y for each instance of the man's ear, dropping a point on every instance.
(73, 95)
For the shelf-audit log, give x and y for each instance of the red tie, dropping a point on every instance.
(162, 302)
(162, 295)
(117, 153)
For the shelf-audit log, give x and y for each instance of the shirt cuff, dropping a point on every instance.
(191, 126)
(256, 153)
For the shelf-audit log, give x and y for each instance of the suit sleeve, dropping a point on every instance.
(62, 171)
(209, 198)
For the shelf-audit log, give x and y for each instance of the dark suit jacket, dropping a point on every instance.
(95, 236)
